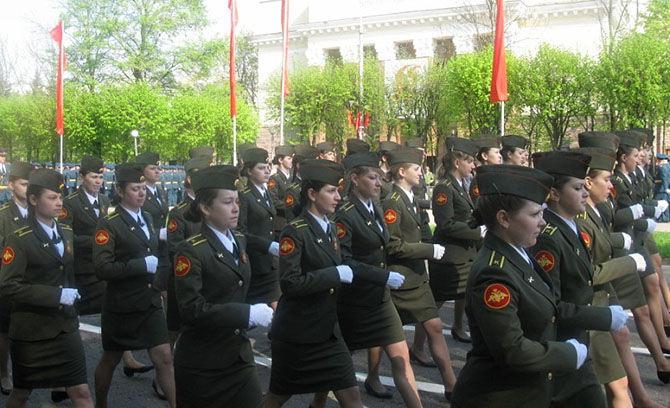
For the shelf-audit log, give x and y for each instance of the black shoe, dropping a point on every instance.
(462, 338)
(5, 386)
(129, 371)
(382, 395)
(58, 396)
(664, 376)
(413, 357)
(157, 391)
(447, 396)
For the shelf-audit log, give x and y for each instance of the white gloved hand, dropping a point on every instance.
(482, 230)
(663, 204)
(640, 262)
(637, 211)
(438, 251)
(651, 225)
(68, 296)
(346, 274)
(162, 234)
(619, 317)
(667, 191)
(627, 241)
(658, 211)
(395, 280)
(580, 349)
(274, 249)
(260, 314)
(151, 262)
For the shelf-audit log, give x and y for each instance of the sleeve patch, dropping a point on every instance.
(101, 237)
(63, 213)
(289, 200)
(441, 199)
(341, 230)
(182, 266)
(586, 238)
(7, 256)
(546, 260)
(286, 246)
(390, 216)
(497, 296)
(613, 192)
(272, 184)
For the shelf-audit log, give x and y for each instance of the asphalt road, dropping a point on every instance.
(136, 392)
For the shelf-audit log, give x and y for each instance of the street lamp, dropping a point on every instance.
(135, 134)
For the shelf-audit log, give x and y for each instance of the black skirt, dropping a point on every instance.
(448, 280)
(365, 327)
(133, 331)
(172, 307)
(234, 386)
(415, 305)
(57, 362)
(306, 368)
(92, 291)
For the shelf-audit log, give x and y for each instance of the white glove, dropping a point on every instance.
(580, 349)
(663, 204)
(651, 225)
(438, 251)
(619, 317)
(274, 249)
(68, 296)
(395, 280)
(667, 191)
(640, 263)
(162, 234)
(346, 274)
(152, 263)
(658, 211)
(637, 211)
(482, 230)
(260, 314)
(627, 241)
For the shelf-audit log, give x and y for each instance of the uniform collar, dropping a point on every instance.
(568, 221)
(323, 222)
(409, 194)
(225, 238)
(91, 199)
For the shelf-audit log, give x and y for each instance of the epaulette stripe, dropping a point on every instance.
(246, 190)
(347, 207)
(491, 258)
(194, 237)
(22, 233)
(199, 242)
(25, 227)
(111, 216)
(182, 205)
(65, 227)
(4, 207)
(73, 195)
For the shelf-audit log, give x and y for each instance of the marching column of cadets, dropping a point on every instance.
(542, 261)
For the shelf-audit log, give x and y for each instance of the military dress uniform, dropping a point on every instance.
(513, 313)
(132, 313)
(277, 186)
(45, 345)
(11, 219)
(308, 351)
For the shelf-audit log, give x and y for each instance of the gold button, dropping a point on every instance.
(60, 286)
(553, 319)
(60, 267)
(418, 227)
(381, 264)
(331, 291)
(148, 285)
(550, 376)
(588, 304)
(237, 332)
(590, 283)
(270, 218)
(240, 283)
(148, 250)
(381, 248)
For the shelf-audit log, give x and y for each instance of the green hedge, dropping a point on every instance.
(663, 243)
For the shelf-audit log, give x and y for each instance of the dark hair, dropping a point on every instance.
(247, 167)
(305, 185)
(120, 186)
(489, 205)
(395, 170)
(507, 150)
(480, 153)
(627, 150)
(448, 161)
(206, 197)
(359, 171)
(14, 178)
(35, 190)
(560, 180)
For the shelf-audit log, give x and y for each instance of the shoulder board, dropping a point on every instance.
(238, 234)
(496, 259)
(196, 239)
(4, 207)
(294, 185)
(395, 196)
(182, 205)
(73, 195)
(347, 206)
(23, 231)
(65, 226)
(582, 216)
(111, 216)
(617, 178)
(549, 229)
(298, 223)
(446, 182)
(246, 190)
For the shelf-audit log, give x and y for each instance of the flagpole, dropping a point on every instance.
(284, 57)
(502, 118)
(61, 68)
(360, 67)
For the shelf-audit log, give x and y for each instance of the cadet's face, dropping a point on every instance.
(260, 173)
(599, 187)
(48, 204)
(630, 160)
(92, 182)
(328, 156)
(133, 195)
(572, 196)
(525, 225)
(224, 210)
(465, 166)
(152, 174)
(19, 188)
(326, 199)
(412, 174)
(492, 156)
(518, 157)
(369, 184)
(286, 162)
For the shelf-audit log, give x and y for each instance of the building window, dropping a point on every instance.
(369, 51)
(333, 55)
(444, 48)
(481, 41)
(405, 50)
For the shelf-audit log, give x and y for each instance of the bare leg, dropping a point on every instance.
(403, 375)
(349, 397)
(665, 290)
(663, 287)
(18, 398)
(646, 331)
(374, 362)
(418, 344)
(319, 400)
(440, 351)
(653, 292)
(617, 394)
(459, 311)
(80, 396)
(271, 400)
(103, 376)
(161, 356)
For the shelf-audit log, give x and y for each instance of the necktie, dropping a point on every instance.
(236, 253)
(266, 198)
(328, 232)
(96, 204)
(55, 238)
(139, 222)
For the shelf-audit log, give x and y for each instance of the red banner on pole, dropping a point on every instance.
(499, 77)
(232, 5)
(57, 35)
(284, 29)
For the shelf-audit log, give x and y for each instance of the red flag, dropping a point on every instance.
(284, 29)
(57, 35)
(232, 5)
(499, 77)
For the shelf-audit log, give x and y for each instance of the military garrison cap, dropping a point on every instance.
(196, 164)
(201, 151)
(604, 140)
(91, 164)
(564, 163)
(415, 142)
(405, 155)
(129, 173)
(325, 171)
(147, 159)
(357, 146)
(388, 146)
(47, 178)
(367, 159)
(21, 170)
(326, 146)
(514, 141)
(462, 145)
(305, 152)
(629, 138)
(284, 150)
(255, 155)
(649, 133)
(220, 177)
(601, 159)
(525, 182)
(488, 142)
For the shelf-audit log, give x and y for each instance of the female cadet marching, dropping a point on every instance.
(308, 351)
(561, 252)
(38, 277)
(257, 213)
(514, 150)
(407, 254)
(366, 314)
(510, 302)
(214, 363)
(125, 250)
